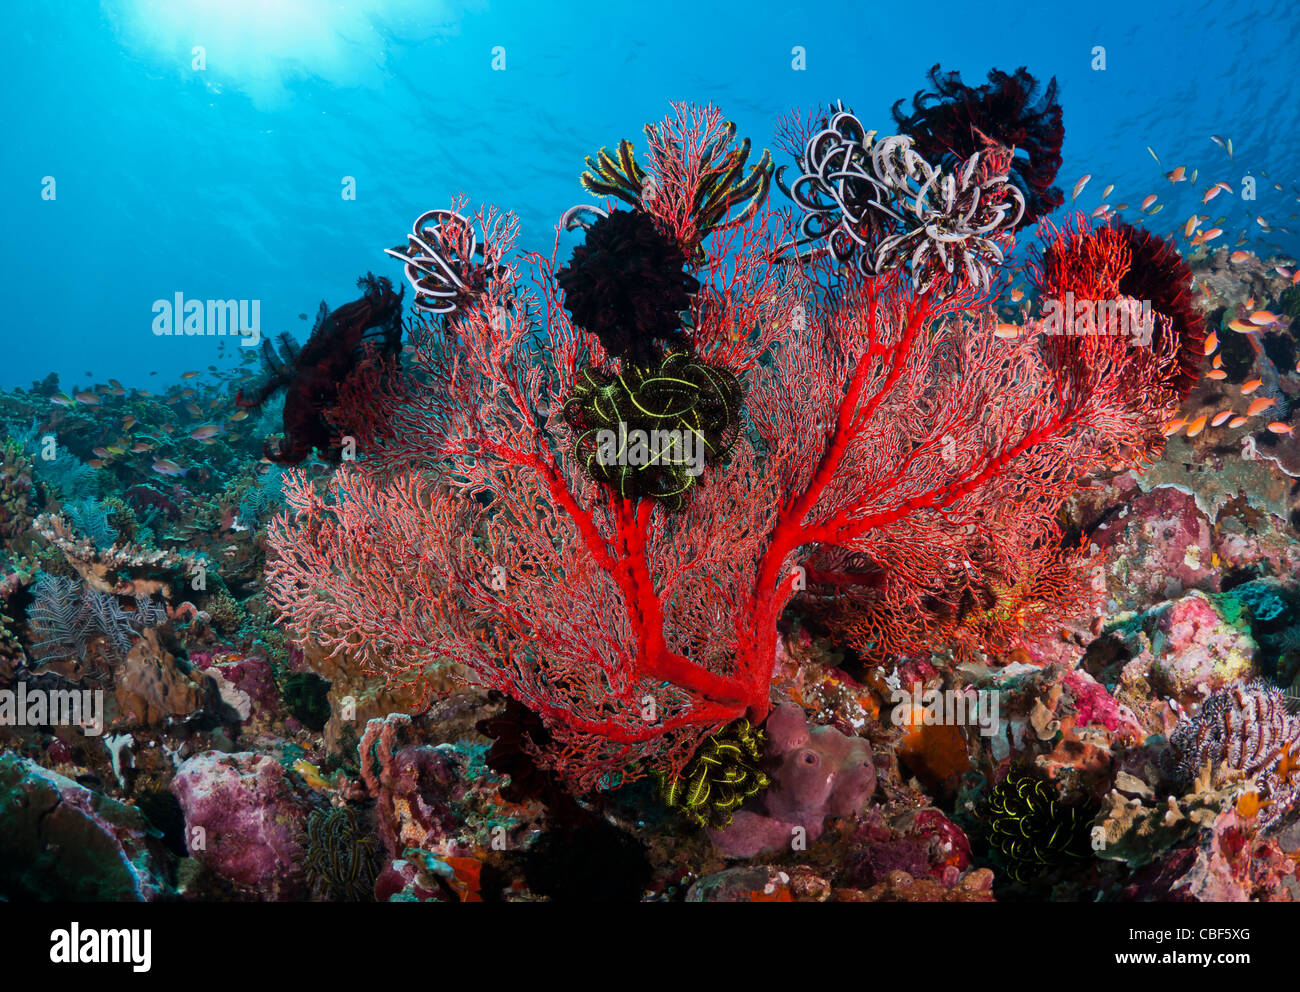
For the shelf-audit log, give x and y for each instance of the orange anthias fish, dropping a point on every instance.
(1249, 387)
(1196, 426)
(165, 466)
(1211, 342)
(1259, 405)
(1277, 427)
(1173, 427)
(1236, 421)
(1220, 417)
(205, 431)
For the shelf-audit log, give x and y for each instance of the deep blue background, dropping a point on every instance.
(226, 183)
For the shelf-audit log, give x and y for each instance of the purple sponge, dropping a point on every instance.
(820, 772)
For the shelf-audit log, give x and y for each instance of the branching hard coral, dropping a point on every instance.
(120, 569)
(16, 490)
(649, 432)
(953, 122)
(1247, 730)
(880, 418)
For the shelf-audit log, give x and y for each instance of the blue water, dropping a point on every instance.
(225, 183)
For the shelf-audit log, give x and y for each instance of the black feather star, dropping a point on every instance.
(627, 284)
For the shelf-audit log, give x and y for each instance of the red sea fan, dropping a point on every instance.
(1111, 261)
(882, 421)
(948, 124)
(1159, 274)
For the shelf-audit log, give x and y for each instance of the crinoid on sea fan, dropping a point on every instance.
(439, 260)
(947, 125)
(648, 432)
(338, 347)
(697, 176)
(1119, 261)
(724, 772)
(627, 284)
(1034, 828)
(880, 204)
(1243, 729)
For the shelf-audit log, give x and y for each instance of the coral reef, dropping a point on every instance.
(907, 596)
